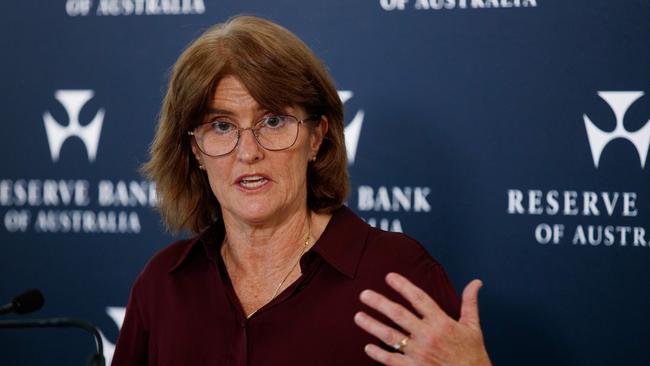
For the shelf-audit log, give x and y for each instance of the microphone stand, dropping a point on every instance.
(97, 358)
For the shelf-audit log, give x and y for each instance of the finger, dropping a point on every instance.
(386, 358)
(420, 300)
(394, 311)
(373, 326)
(469, 307)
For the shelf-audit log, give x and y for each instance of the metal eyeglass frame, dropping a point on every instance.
(253, 129)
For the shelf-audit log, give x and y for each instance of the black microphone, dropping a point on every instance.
(24, 303)
(97, 358)
(32, 300)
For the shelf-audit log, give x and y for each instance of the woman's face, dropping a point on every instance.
(254, 185)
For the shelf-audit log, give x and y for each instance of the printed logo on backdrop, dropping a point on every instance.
(377, 203)
(353, 129)
(116, 313)
(619, 102)
(74, 205)
(57, 134)
(75, 8)
(616, 206)
(390, 5)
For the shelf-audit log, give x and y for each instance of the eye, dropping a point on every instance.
(274, 121)
(222, 127)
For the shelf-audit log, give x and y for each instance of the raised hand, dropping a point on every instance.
(433, 337)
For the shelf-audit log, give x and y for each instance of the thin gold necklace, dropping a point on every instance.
(302, 251)
(275, 293)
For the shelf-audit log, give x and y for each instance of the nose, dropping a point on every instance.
(248, 149)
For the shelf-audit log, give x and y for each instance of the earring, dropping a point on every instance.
(201, 167)
(313, 158)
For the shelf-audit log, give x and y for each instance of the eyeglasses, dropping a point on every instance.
(273, 132)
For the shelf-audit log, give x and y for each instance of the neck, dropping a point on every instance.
(259, 250)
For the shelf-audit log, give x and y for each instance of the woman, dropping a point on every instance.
(250, 154)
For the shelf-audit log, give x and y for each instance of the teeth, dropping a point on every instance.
(253, 182)
(252, 178)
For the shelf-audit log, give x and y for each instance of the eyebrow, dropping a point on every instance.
(226, 112)
(219, 111)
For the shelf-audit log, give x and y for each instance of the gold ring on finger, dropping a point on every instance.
(399, 346)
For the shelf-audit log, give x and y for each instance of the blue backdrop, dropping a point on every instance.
(508, 136)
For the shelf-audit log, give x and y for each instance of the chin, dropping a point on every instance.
(255, 211)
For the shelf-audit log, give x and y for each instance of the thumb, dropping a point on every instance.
(469, 307)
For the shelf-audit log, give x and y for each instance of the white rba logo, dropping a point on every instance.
(117, 314)
(73, 101)
(619, 102)
(353, 129)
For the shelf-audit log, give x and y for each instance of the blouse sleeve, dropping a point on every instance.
(133, 341)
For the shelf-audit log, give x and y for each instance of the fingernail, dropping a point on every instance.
(357, 317)
(392, 277)
(365, 295)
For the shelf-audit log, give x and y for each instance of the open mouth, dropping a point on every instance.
(252, 182)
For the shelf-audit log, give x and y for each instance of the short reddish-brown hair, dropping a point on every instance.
(279, 71)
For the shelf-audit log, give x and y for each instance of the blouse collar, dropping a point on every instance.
(341, 244)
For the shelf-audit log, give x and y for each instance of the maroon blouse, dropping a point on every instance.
(183, 309)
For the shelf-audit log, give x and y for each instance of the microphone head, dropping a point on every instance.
(27, 302)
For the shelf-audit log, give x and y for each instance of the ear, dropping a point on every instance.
(196, 152)
(318, 135)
